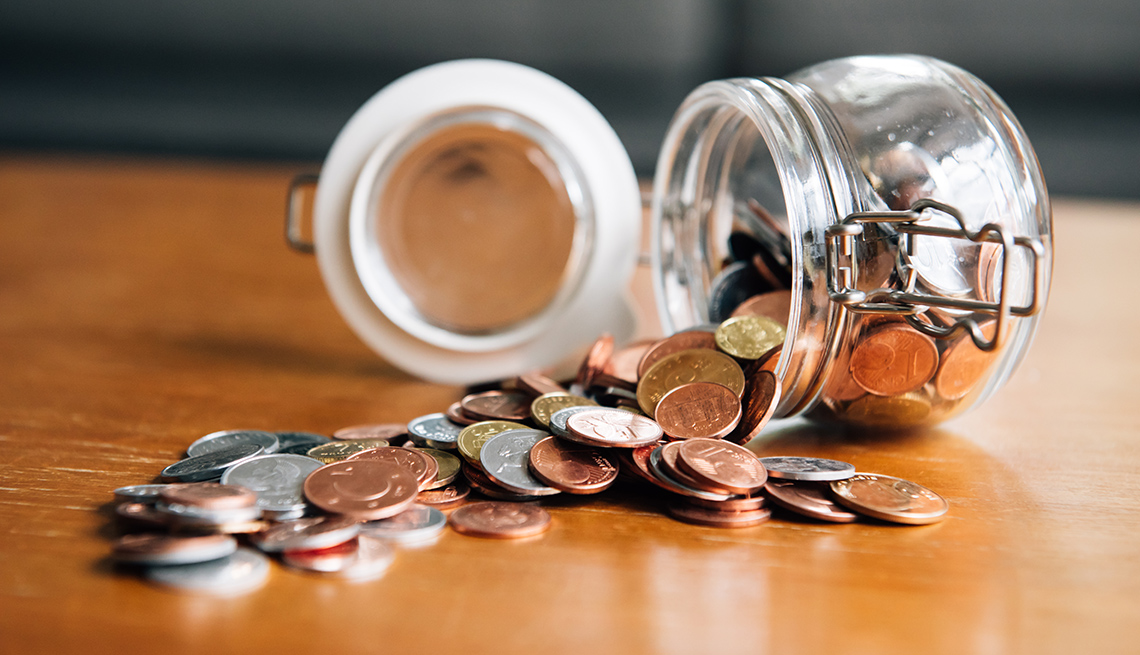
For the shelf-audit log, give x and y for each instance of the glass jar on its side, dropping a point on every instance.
(889, 208)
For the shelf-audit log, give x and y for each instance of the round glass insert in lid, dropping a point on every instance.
(475, 223)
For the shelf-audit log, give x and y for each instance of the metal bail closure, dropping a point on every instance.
(843, 270)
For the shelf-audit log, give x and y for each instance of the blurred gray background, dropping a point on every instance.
(276, 79)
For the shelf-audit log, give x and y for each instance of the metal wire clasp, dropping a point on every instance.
(843, 271)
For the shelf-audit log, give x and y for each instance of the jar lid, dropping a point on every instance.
(477, 219)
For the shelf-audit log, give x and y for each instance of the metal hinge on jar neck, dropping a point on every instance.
(843, 271)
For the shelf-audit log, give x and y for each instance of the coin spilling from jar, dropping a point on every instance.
(671, 415)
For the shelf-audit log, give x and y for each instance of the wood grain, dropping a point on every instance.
(145, 303)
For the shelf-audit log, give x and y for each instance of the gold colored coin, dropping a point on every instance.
(472, 437)
(545, 405)
(890, 411)
(749, 337)
(335, 451)
(449, 466)
(701, 365)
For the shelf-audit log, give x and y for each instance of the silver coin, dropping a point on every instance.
(189, 550)
(807, 468)
(558, 419)
(436, 428)
(506, 460)
(290, 439)
(415, 524)
(289, 515)
(201, 516)
(278, 480)
(420, 442)
(211, 466)
(659, 472)
(307, 534)
(139, 493)
(215, 441)
(243, 570)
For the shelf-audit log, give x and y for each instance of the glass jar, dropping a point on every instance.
(891, 206)
(478, 219)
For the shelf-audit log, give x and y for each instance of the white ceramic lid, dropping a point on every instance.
(606, 185)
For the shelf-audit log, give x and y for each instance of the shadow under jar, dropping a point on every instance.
(898, 203)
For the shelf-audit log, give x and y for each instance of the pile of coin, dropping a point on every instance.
(670, 414)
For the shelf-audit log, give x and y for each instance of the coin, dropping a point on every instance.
(323, 560)
(480, 482)
(694, 340)
(720, 464)
(890, 499)
(776, 305)
(840, 384)
(717, 519)
(203, 517)
(536, 384)
(894, 359)
(890, 411)
(415, 524)
(215, 441)
(164, 549)
(595, 361)
(365, 489)
(505, 460)
(807, 499)
(761, 397)
(456, 415)
(657, 469)
(558, 419)
(452, 495)
(612, 428)
(139, 493)
(963, 367)
(447, 467)
(698, 410)
(624, 362)
(735, 504)
(435, 428)
(307, 534)
(736, 283)
(337, 451)
(638, 460)
(472, 437)
(211, 465)
(278, 480)
(370, 559)
(545, 405)
(498, 520)
(142, 514)
(209, 496)
(669, 465)
(749, 337)
(497, 406)
(291, 439)
(807, 468)
(417, 462)
(685, 367)
(382, 431)
(241, 571)
(573, 468)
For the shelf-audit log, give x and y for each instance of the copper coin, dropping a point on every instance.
(383, 431)
(165, 549)
(325, 560)
(776, 305)
(572, 468)
(963, 367)
(307, 534)
(715, 519)
(890, 499)
(808, 499)
(455, 414)
(893, 360)
(840, 385)
(737, 504)
(722, 465)
(696, 339)
(209, 495)
(483, 483)
(452, 495)
(625, 361)
(535, 384)
(670, 462)
(497, 406)
(595, 362)
(500, 520)
(639, 458)
(612, 428)
(362, 489)
(698, 410)
(761, 397)
(142, 514)
(416, 462)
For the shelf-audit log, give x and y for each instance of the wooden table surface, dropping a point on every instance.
(146, 303)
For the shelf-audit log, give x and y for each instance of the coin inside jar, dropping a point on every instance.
(749, 337)
(699, 410)
(570, 467)
(364, 489)
(894, 359)
(498, 520)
